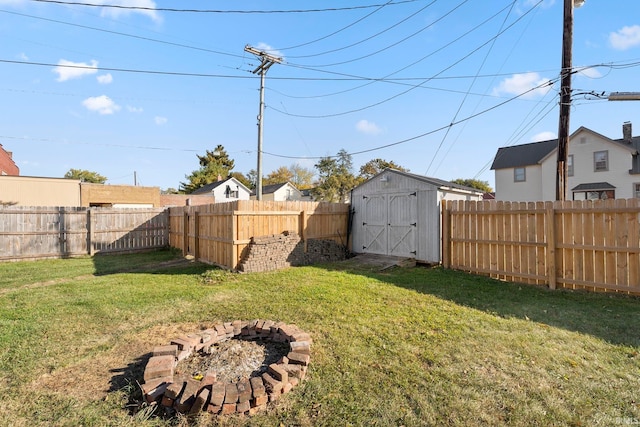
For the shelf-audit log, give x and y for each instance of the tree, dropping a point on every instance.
(85, 176)
(474, 183)
(375, 166)
(300, 177)
(213, 165)
(278, 176)
(335, 178)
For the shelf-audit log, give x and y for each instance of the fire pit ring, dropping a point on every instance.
(188, 395)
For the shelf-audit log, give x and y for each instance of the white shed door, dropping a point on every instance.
(390, 224)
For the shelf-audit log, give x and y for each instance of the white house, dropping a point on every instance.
(398, 214)
(225, 190)
(279, 192)
(598, 167)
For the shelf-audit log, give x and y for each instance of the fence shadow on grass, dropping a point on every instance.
(162, 261)
(614, 318)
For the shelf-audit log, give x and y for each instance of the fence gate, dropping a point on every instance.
(390, 224)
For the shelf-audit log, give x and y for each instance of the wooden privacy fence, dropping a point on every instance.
(48, 232)
(220, 232)
(586, 244)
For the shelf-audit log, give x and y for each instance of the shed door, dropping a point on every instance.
(390, 224)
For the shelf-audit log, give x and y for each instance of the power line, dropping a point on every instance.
(230, 11)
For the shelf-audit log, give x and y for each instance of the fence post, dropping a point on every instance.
(446, 234)
(90, 233)
(303, 228)
(196, 238)
(185, 234)
(235, 261)
(551, 245)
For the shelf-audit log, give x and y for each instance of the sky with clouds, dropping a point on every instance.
(140, 87)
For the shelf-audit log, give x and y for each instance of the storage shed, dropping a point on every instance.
(398, 214)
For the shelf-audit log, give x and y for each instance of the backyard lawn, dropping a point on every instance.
(405, 346)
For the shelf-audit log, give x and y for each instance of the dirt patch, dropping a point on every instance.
(234, 360)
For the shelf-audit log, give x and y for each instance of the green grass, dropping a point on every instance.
(408, 347)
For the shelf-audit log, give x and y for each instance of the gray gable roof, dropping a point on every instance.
(533, 153)
(440, 183)
(523, 155)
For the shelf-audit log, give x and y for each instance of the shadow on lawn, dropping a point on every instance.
(614, 318)
(163, 261)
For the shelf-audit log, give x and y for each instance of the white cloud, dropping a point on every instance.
(67, 70)
(590, 72)
(147, 8)
(160, 120)
(625, 38)
(543, 136)
(101, 104)
(132, 109)
(520, 83)
(367, 127)
(105, 79)
(23, 56)
(270, 50)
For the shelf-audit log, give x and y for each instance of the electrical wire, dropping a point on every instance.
(221, 11)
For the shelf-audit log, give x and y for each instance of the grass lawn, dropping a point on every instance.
(413, 347)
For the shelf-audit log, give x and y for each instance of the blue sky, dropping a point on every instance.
(436, 86)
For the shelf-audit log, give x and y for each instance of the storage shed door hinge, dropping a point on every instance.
(415, 193)
(364, 223)
(415, 224)
(364, 197)
(413, 252)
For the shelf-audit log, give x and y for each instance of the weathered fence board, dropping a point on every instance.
(592, 245)
(220, 233)
(50, 232)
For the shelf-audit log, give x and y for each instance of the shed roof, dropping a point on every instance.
(440, 183)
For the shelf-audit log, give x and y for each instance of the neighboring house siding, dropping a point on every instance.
(35, 191)
(530, 189)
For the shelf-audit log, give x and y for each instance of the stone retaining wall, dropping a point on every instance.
(276, 251)
(191, 396)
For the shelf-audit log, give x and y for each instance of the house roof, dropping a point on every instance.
(535, 152)
(593, 186)
(205, 189)
(272, 188)
(440, 183)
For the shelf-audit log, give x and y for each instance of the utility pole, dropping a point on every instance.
(266, 61)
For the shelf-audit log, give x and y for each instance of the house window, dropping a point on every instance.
(601, 161)
(519, 175)
(570, 165)
(230, 194)
(636, 190)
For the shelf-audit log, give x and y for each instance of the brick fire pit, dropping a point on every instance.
(189, 395)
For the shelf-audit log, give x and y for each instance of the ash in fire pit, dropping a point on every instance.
(234, 359)
(234, 367)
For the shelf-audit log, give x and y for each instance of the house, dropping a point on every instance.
(598, 167)
(279, 192)
(225, 190)
(7, 165)
(398, 213)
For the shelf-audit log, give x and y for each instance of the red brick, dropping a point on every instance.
(165, 350)
(210, 377)
(271, 385)
(293, 371)
(156, 393)
(166, 401)
(303, 347)
(159, 366)
(200, 402)
(294, 381)
(274, 396)
(298, 358)
(301, 336)
(188, 396)
(278, 373)
(214, 409)
(230, 393)
(257, 387)
(174, 390)
(217, 394)
(183, 354)
(244, 391)
(260, 401)
(287, 387)
(228, 408)
(243, 407)
(183, 343)
(151, 385)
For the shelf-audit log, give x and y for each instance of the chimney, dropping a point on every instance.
(626, 132)
(219, 177)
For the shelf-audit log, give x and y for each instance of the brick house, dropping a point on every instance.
(7, 165)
